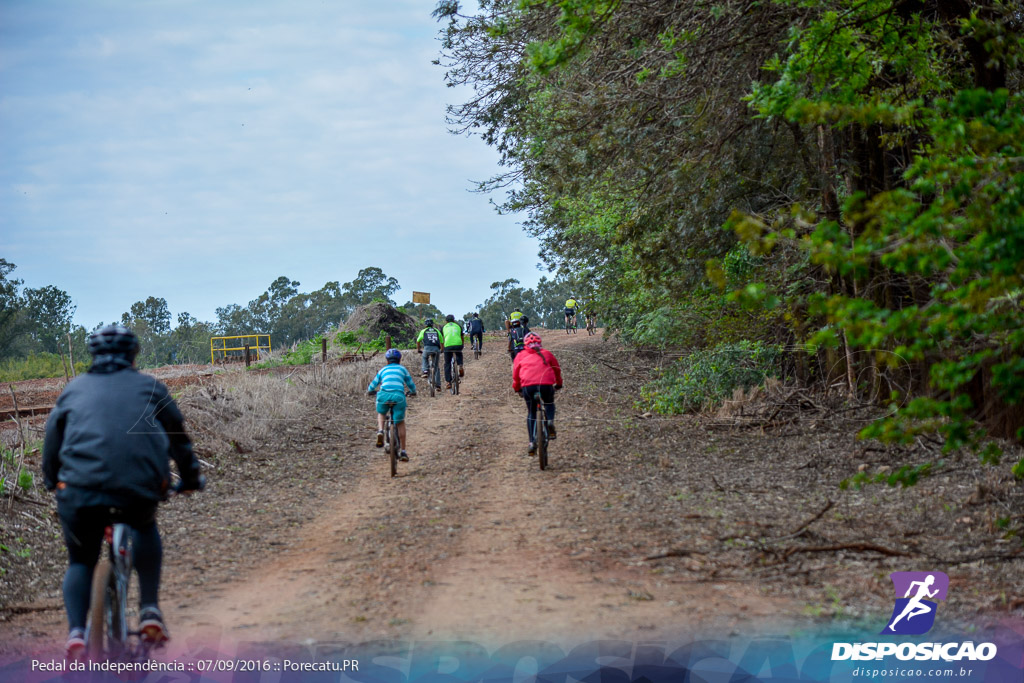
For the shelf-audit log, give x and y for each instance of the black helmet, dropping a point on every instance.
(429, 322)
(114, 340)
(450, 318)
(476, 315)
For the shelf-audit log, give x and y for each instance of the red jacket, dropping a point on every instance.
(535, 367)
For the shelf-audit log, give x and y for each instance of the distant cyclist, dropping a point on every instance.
(516, 334)
(392, 380)
(476, 331)
(451, 339)
(536, 370)
(570, 312)
(429, 344)
(109, 442)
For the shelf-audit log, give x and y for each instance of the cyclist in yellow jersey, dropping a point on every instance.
(570, 311)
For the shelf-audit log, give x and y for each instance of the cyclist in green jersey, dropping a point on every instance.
(429, 344)
(451, 340)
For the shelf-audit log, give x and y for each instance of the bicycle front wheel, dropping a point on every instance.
(102, 603)
(393, 449)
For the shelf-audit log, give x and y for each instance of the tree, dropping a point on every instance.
(371, 284)
(190, 340)
(422, 311)
(49, 311)
(153, 312)
(922, 240)
(507, 296)
(11, 310)
(151, 322)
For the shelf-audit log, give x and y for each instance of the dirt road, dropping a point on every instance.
(643, 526)
(471, 540)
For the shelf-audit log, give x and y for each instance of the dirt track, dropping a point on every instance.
(642, 527)
(468, 542)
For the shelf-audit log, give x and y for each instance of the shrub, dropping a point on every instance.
(708, 376)
(36, 366)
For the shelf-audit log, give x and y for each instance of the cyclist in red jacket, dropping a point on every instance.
(534, 370)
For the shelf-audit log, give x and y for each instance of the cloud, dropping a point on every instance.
(233, 145)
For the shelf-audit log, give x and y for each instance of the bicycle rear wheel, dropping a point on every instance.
(455, 376)
(393, 446)
(540, 426)
(102, 604)
(431, 370)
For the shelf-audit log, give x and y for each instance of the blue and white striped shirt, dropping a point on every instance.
(393, 377)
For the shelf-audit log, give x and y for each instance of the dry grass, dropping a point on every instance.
(242, 410)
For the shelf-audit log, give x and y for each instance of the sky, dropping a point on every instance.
(197, 150)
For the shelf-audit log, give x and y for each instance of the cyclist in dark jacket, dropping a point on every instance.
(108, 444)
(476, 331)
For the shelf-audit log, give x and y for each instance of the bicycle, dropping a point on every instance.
(540, 430)
(107, 633)
(455, 376)
(392, 442)
(433, 372)
(570, 325)
(476, 349)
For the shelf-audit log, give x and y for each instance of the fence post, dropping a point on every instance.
(247, 360)
(323, 349)
(387, 342)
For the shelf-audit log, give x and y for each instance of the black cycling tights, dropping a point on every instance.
(547, 397)
(83, 534)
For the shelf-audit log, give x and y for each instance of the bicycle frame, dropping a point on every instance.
(111, 585)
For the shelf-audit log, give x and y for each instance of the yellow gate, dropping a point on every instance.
(256, 342)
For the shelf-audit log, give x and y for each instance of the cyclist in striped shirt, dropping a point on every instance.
(392, 380)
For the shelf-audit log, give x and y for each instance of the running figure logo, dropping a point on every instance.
(917, 596)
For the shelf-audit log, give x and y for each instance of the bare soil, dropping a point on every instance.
(643, 526)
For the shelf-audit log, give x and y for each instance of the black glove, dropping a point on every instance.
(370, 393)
(192, 483)
(558, 387)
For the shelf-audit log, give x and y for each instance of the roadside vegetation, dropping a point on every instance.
(828, 192)
(38, 338)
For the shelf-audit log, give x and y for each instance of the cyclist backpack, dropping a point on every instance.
(516, 335)
(431, 337)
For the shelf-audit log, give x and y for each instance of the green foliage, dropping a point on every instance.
(422, 311)
(706, 377)
(304, 351)
(37, 366)
(357, 342)
(25, 480)
(947, 239)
